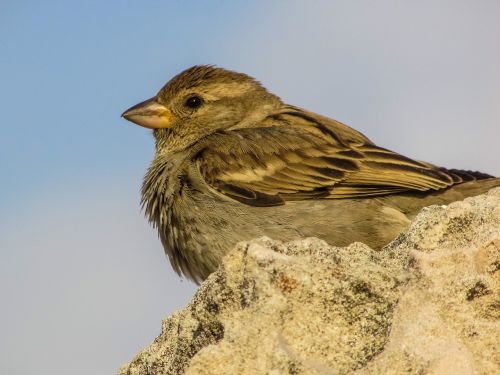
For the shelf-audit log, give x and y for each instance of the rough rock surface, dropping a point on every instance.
(428, 303)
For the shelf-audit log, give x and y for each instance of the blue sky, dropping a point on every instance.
(83, 279)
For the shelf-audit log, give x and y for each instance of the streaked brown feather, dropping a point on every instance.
(306, 156)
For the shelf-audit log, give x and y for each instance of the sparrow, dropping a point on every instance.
(234, 162)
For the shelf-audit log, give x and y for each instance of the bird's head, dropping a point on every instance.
(200, 101)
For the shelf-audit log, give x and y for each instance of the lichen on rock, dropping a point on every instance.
(428, 302)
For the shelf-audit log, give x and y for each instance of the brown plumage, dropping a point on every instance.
(233, 162)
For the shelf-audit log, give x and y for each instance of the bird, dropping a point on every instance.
(233, 162)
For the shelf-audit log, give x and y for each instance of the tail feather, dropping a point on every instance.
(460, 175)
(411, 203)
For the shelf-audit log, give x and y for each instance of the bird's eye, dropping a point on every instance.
(194, 102)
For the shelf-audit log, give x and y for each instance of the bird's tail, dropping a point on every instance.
(460, 175)
(412, 203)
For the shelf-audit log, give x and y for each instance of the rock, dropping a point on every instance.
(428, 303)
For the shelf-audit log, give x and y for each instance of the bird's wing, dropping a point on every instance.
(297, 155)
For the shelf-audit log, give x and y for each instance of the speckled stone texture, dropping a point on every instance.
(428, 303)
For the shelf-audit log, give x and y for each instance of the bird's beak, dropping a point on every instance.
(150, 114)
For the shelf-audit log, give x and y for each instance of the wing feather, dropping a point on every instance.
(298, 155)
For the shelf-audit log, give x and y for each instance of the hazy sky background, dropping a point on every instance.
(84, 282)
